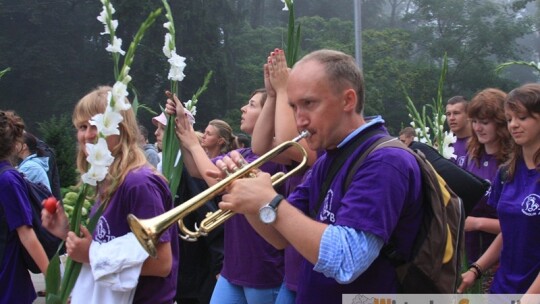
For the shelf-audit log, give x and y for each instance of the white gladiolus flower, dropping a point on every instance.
(194, 111)
(95, 174)
(99, 154)
(114, 24)
(448, 151)
(412, 123)
(168, 26)
(107, 123)
(103, 16)
(285, 8)
(116, 46)
(423, 140)
(178, 64)
(119, 94)
(167, 50)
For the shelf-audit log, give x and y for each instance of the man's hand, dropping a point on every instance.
(245, 195)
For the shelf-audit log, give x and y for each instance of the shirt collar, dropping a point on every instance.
(370, 121)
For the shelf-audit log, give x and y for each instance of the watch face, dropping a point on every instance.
(267, 214)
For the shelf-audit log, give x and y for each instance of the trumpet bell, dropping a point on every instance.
(145, 234)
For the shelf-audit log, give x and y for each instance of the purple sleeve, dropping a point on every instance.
(147, 200)
(14, 200)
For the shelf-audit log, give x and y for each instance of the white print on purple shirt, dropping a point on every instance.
(461, 161)
(488, 191)
(326, 214)
(530, 205)
(103, 231)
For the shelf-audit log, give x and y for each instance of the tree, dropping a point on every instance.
(58, 133)
(474, 34)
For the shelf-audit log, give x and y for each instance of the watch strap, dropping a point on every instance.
(274, 203)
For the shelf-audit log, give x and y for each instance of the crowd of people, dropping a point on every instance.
(288, 243)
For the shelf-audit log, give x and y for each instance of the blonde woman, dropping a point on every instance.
(131, 186)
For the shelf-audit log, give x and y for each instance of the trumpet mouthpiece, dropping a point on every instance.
(303, 134)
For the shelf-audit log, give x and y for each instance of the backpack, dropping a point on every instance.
(437, 250)
(436, 259)
(36, 192)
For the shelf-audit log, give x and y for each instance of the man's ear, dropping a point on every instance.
(350, 100)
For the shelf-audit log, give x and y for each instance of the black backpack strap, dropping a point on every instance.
(388, 250)
(377, 144)
(338, 162)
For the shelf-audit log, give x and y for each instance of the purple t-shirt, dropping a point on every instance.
(15, 211)
(384, 199)
(477, 242)
(145, 195)
(518, 205)
(249, 260)
(460, 150)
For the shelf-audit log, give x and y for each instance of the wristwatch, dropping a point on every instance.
(268, 212)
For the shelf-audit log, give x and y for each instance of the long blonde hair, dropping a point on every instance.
(127, 154)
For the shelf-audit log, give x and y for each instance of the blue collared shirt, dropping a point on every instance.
(345, 253)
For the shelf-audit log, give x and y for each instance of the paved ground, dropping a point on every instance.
(39, 284)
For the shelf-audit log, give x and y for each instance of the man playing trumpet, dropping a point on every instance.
(340, 238)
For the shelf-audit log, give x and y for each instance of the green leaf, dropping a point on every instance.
(293, 41)
(137, 40)
(172, 167)
(52, 283)
(3, 72)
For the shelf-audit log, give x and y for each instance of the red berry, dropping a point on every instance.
(50, 204)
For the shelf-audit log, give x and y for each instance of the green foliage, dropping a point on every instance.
(474, 34)
(233, 39)
(4, 71)
(532, 64)
(432, 117)
(58, 133)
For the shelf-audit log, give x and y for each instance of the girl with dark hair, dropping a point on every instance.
(15, 219)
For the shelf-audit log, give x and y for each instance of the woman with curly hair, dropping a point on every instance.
(489, 147)
(16, 232)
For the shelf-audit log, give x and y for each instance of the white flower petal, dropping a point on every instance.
(95, 174)
(99, 154)
(167, 51)
(285, 8)
(119, 94)
(176, 72)
(116, 46)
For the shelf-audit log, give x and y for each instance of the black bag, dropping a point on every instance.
(36, 194)
(469, 187)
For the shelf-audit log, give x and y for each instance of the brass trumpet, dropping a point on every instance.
(148, 231)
